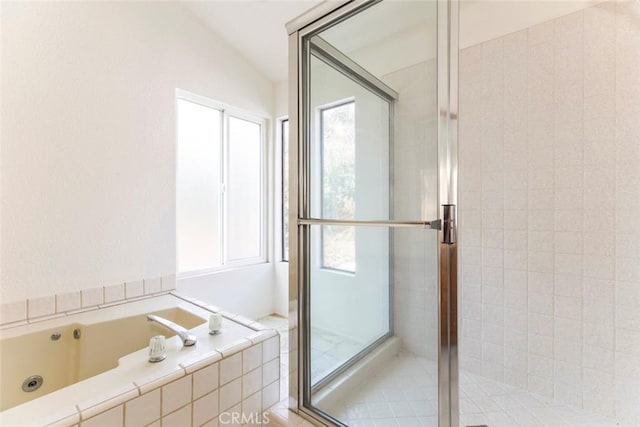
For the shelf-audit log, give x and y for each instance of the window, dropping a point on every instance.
(219, 186)
(284, 144)
(338, 182)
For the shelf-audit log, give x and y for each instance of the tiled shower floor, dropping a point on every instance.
(329, 351)
(404, 395)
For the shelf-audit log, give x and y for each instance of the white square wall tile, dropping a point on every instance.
(176, 394)
(230, 368)
(205, 380)
(143, 410)
(230, 394)
(600, 333)
(92, 297)
(270, 371)
(598, 391)
(205, 408)
(13, 312)
(251, 382)
(540, 324)
(43, 306)
(180, 418)
(251, 358)
(252, 407)
(68, 301)
(152, 286)
(270, 395)
(113, 293)
(541, 385)
(568, 307)
(627, 341)
(597, 358)
(270, 349)
(110, 418)
(227, 417)
(515, 260)
(569, 242)
(569, 394)
(598, 290)
(134, 289)
(567, 329)
(599, 312)
(568, 263)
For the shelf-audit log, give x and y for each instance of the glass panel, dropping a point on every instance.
(350, 148)
(337, 129)
(349, 313)
(373, 347)
(198, 186)
(339, 331)
(244, 190)
(337, 133)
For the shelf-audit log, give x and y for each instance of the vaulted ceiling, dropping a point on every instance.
(256, 28)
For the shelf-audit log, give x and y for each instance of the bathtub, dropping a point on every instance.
(93, 357)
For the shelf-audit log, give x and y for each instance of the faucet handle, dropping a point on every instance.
(157, 349)
(215, 323)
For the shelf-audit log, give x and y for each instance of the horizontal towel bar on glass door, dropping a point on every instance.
(435, 224)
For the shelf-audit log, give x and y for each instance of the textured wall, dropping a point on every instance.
(550, 208)
(88, 146)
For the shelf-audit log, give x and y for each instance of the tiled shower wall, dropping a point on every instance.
(414, 260)
(550, 209)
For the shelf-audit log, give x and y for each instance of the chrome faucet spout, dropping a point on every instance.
(188, 339)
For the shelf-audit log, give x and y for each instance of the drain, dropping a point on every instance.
(32, 383)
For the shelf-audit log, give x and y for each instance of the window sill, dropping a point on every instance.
(219, 270)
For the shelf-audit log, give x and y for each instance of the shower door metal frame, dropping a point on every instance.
(323, 51)
(322, 16)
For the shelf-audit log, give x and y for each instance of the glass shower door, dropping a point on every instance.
(349, 179)
(373, 274)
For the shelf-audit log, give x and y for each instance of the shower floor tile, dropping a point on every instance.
(405, 394)
(329, 351)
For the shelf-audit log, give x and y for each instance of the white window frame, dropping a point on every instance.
(320, 182)
(281, 214)
(227, 111)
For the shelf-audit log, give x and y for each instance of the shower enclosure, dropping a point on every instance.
(373, 162)
(547, 221)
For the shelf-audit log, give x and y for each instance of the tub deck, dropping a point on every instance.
(133, 375)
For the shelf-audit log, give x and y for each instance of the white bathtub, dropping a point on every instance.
(110, 359)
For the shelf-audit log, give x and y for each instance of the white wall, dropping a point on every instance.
(88, 147)
(550, 209)
(247, 291)
(281, 97)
